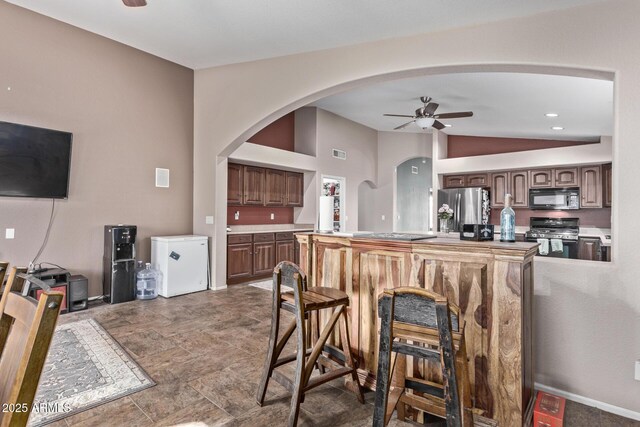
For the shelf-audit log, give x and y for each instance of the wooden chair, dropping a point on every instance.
(423, 325)
(303, 302)
(26, 329)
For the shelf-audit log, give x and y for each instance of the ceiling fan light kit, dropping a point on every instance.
(425, 122)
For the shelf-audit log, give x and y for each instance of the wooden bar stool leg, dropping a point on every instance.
(299, 378)
(384, 363)
(271, 353)
(348, 356)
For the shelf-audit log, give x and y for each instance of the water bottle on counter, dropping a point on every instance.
(147, 283)
(507, 221)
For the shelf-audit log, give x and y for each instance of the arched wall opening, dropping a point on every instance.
(589, 297)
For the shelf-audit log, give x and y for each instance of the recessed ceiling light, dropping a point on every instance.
(447, 126)
(551, 115)
(557, 128)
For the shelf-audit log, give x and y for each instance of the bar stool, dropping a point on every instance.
(423, 325)
(302, 302)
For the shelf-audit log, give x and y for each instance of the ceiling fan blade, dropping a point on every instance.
(431, 108)
(437, 125)
(134, 3)
(456, 115)
(404, 125)
(398, 115)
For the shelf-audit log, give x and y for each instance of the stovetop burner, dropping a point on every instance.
(553, 228)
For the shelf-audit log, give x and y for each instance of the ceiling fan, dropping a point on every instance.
(425, 117)
(134, 3)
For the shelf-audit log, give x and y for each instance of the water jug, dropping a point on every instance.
(147, 283)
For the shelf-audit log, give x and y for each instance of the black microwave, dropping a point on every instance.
(554, 198)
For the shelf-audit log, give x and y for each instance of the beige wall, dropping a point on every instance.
(129, 113)
(393, 149)
(360, 144)
(588, 326)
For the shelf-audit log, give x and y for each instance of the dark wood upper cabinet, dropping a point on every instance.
(263, 258)
(274, 187)
(256, 186)
(239, 261)
(519, 188)
(476, 180)
(234, 184)
(453, 181)
(294, 191)
(253, 193)
(591, 188)
(566, 177)
(541, 178)
(499, 187)
(607, 185)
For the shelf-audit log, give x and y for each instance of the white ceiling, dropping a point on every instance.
(205, 33)
(503, 104)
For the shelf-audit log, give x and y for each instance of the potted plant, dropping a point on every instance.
(445, 213)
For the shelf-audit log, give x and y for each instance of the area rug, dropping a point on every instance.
(85, 368)
(267, 285)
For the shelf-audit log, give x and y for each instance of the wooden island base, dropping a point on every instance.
(491, 282)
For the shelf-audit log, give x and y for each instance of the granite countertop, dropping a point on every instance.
(452, 239)
(269, 228)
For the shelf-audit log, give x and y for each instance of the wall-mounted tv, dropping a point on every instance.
(34, 162)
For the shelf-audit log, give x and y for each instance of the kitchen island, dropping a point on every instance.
(491, 282)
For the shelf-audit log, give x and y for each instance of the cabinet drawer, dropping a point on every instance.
(236, 239)
(477, 180)
(453, 181)
(284, 235)
(263, 237)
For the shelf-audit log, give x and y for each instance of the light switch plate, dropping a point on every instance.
(273, 216)
(10, 233)
(236, 215)
(208, 219)
(637, 370)
(382, 217)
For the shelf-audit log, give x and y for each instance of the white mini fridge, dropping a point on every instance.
(183, 262)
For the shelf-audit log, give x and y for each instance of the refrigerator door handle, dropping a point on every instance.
(456, 220)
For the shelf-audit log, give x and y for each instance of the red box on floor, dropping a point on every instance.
(549, 410)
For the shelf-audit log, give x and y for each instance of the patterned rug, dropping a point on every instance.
(85, 368)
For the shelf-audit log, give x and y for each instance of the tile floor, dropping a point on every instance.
(206, 350)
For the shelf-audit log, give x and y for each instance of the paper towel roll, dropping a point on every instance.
(325, 213)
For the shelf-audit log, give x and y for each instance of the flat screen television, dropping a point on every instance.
(34, 162)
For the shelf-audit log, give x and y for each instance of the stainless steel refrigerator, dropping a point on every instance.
(470, 206)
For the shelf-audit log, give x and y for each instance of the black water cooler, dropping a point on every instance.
(119, 263)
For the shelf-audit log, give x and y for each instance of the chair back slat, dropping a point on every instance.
(4, 265)
(21, 309)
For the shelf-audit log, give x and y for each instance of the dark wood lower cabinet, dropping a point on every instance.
(589, 249)
(263, 258)
(239, 261)
(253, 256)
(285, 252)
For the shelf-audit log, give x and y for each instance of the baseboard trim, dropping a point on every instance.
(627, 413)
